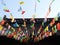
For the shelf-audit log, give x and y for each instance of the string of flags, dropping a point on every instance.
(54, 29)
(21, 34)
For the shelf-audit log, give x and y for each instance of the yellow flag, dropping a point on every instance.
(46, 29)
(12, 18)
(15, 36)
(5, 8)
(21, 2)
(1, 27)
(33, 33)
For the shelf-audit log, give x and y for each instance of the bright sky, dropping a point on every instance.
(42, 8)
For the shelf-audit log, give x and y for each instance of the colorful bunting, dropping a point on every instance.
(22, 35)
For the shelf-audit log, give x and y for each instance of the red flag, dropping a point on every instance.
(2, 22)
(58, 26)
(6, 10)
(23, 12)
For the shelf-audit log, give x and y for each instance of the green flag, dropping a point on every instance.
(55, 30)
(32, 25)
(53, 0)
(1, 19)
(42, 23)
(38, 1)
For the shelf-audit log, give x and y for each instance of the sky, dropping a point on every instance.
(29, 7)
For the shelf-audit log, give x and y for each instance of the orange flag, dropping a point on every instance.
(58, 26)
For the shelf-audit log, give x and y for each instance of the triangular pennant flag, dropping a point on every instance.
(15, 25)
(46, 29)
(38, 1)
(32, 33)
(32, 25)
(55, 29)
(53, 0)
(6, 10)
(11, 17)
(12, 28)
(38, 31)
(21, 2)
(23, 12)
(42, 23)
(1, 27)
(2, 22)
(20, 9)
(58, 26)
(1, 19)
